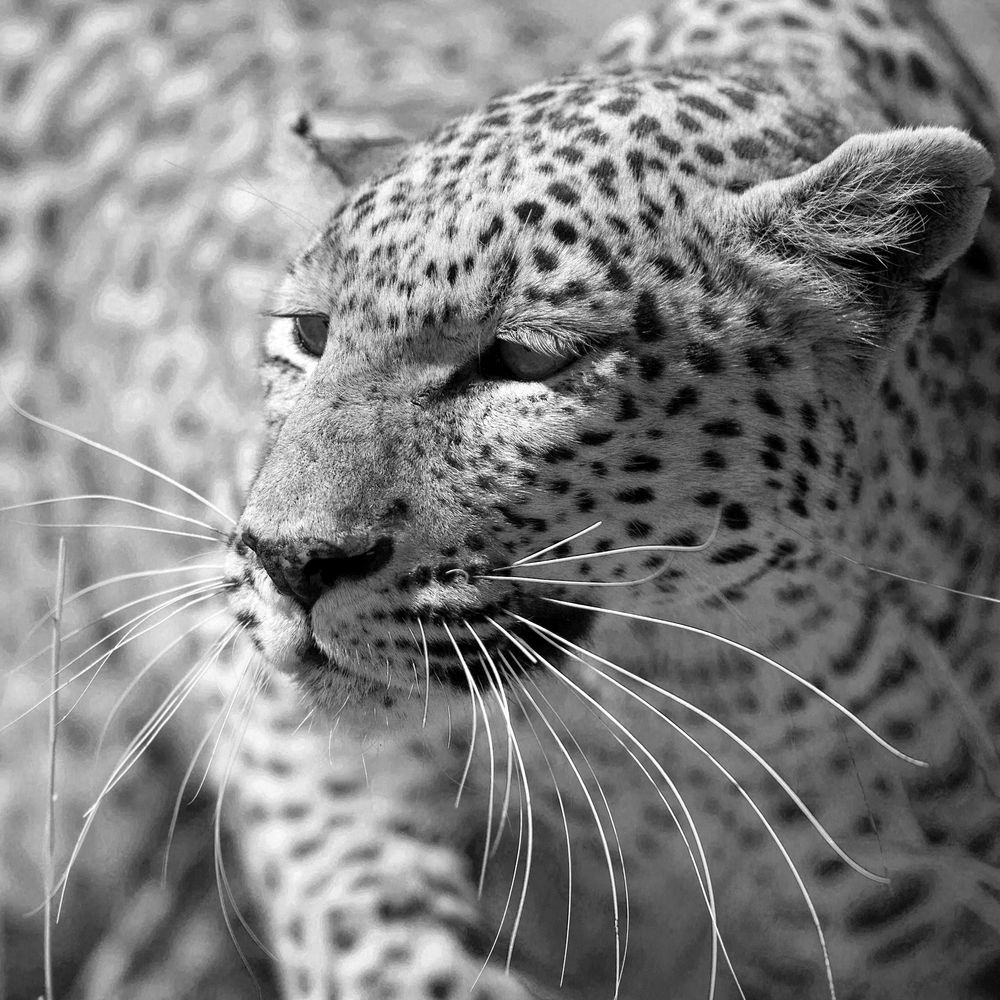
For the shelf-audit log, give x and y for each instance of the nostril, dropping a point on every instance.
(323, 573)
(248, 539)
(306, 568)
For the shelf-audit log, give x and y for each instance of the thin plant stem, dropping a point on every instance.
(50, 825)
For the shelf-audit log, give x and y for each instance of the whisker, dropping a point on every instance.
(890, 573)
(427, 672)
(41, 422)
(120, 527)
(508, 778)
(527, 798)
(759, 656)
(489, 734)
(475, 723)
(554, 545)
(306, 718)
(117, 499)
(627, 550)
(912, 579)
(575, 583)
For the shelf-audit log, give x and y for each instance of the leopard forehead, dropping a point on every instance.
(554, 203)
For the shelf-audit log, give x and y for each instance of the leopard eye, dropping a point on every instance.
(311, 332)
(528, 365)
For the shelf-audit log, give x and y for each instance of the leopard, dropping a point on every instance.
(621, 563)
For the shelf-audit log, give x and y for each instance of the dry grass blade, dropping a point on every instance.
(50, 826)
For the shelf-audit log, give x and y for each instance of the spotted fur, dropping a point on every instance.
(695, 293)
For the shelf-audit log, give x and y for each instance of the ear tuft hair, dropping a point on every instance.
(895, 208)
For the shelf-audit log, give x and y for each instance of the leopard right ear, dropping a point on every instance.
(349, 152)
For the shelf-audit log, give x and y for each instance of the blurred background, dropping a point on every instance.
(141, 224)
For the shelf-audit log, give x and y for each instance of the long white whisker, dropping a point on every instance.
(427, 672)
(492, 792)
(121, 527)
(475, 717)
(891, 573)
(913, 579)
(758, 656)
(41, 422)
(627, 550)
(575, 583)
(554, 545)
(116, 499)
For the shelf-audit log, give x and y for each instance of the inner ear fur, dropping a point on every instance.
(889, 209)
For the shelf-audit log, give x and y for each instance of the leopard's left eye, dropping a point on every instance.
(311, 332)
(525, 364)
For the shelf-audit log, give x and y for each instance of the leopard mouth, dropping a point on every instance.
(452, 644)
(442, 621)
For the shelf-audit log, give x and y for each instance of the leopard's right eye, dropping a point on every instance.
(311, 332)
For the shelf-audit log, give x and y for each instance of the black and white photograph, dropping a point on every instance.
(499, 500)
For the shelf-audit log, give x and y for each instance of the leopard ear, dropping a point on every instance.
(882, 211)
(350, 153)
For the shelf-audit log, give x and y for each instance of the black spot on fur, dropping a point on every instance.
(768, 404)
(639, 494)
(888, 903)
(646, 319)
(563, 193)
(563, 231)
(685, 398)
(727, 427)
(704, 358)
(735, 516)
(529, 212)
(641, 463)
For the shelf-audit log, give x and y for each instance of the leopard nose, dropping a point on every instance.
(307, 568)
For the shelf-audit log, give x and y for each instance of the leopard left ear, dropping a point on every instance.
(883, 211)
(350, 153)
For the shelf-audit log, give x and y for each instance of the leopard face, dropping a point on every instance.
(609, 299)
